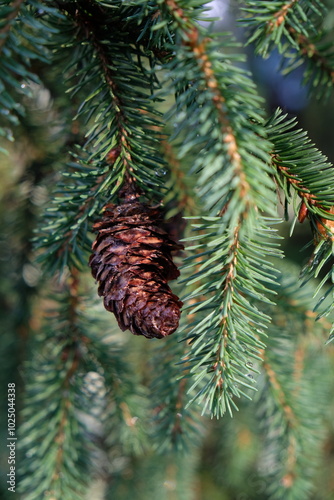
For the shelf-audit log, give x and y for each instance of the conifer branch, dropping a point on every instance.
(125, 409)
(176, 427)
(288, 422)
(293, 24)
(291, 445)
(52, 430)
(223, 137)
(279, 394)
(311, 50)
(63, 235)
(199, 47)
(291, 423)
(301, 167)
(282, 13)
(68, 353)
(169, 475)
(299, 366)
(81, 388)
(122, 146)
(86, 18)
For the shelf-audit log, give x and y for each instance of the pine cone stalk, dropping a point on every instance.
(132, 261)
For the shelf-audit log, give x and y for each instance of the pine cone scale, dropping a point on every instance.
(132, 262)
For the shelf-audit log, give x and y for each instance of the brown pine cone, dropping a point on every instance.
(132, 262)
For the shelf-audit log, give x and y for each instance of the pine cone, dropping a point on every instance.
(132, 262)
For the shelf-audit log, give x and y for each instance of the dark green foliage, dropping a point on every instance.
(300, 165)
(306, 171)
(82, 381)
(230, 333)
(53, 433)
(178, 426)
(232, 181)
(129, 135)
(293, 368)
(64, 231)
(21, 47)
(125, 406)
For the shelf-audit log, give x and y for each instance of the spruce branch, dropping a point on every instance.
(234, 185)
(300, 166)
(272, 21)
(115, 56)
(293, 25)
(199, 48)
(123, 407)
(228, 334)
(305, 170)
(64, 233)
(52, 431)
(86, 18)
(122, 145)
(177, 428)
(62, 393)
(126, 124)
(292, 443)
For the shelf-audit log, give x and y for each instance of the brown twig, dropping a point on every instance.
(307, 47)
(325, 226)
(198, 46)
(291, 420)
(219, 365)
(309, 50)
(280, 15)
(279, 393)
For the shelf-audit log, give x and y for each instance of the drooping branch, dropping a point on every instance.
(58, 357)
(233, 191)
(300, 166)
(308, 48)
(279, 393)
(198, 46)
(123, 144)
(283, 25)
(291, 423)
(88, 17)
